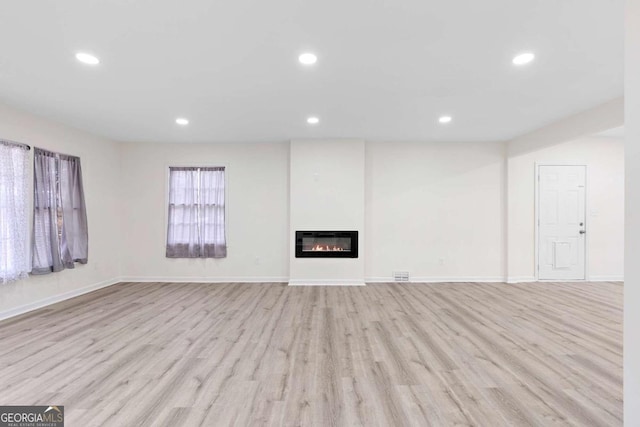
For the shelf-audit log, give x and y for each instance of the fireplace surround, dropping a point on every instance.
(326, 244)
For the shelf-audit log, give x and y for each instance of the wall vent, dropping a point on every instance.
(400, 276)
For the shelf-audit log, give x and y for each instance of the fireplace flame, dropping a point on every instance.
(326, 248)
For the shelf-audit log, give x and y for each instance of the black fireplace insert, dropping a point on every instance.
(326, 244)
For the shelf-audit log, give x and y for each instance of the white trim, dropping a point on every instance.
(436, 279)
(16, 311)
(536, 219)
(536, 182)
(565, 281)
(322, 282)
(522, 279)
(182, 279)
(606, 278)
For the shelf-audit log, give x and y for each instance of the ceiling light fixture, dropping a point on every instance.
(182, 121)
(87, 58)
(523, 58)
(313, 120)
(445, 119)
(308, 58)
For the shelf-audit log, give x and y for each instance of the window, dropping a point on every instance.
(60, 234)
(14, 260)
(196, 226)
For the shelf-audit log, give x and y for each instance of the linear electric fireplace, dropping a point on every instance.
(326, 244)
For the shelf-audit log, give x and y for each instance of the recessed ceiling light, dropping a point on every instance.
(308, 58)
(313, 120)
(523, 58)
(445, 119)
(182, 121)
(87, 58)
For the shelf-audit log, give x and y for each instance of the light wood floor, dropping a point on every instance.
(252, 354)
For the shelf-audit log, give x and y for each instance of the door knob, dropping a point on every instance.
(583, 231)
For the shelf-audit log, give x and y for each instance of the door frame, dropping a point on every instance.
(536, 180)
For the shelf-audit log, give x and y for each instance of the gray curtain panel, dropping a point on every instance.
(196, 220)
(60, 231)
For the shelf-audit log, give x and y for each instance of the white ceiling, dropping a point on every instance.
(386, 69)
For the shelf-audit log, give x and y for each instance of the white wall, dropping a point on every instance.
(257, 211)
(632, 232)
(100, 167)
(410, 187)
(435, 210)
(604, 158)
(327, 193)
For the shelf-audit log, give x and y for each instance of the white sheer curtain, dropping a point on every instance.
(196, 226)
(14, 259)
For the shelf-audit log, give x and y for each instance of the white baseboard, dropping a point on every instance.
(433, 279)
(606, 278)
(235, 279)
(521, 279)
(326, 283)
(589, 279)
(56, 298)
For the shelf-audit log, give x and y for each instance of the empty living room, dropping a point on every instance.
(297, 213)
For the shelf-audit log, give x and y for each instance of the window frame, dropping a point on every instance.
(167, 188)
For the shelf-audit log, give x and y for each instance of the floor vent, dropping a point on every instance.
(400, 276)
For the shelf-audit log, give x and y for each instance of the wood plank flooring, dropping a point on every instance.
(138, 354)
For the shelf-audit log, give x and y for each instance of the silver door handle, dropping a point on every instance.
(583, 231)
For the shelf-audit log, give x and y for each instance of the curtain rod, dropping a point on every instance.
(19, 144)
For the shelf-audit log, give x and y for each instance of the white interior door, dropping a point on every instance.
(561, 222)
